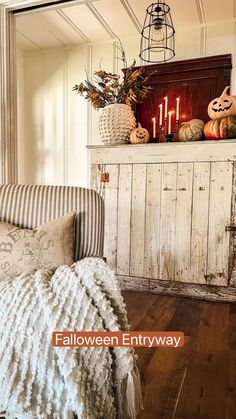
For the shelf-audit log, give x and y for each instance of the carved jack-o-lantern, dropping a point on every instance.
(139, 135)
(222, 106)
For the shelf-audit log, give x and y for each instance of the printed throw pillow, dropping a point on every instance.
(48, 246)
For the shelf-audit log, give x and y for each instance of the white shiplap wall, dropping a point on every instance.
(53, 137)
(55, 125)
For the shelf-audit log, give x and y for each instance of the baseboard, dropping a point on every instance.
(179, 289)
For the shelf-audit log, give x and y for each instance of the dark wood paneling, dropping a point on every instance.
(195, 81)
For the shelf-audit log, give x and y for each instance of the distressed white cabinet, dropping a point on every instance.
(167, 209)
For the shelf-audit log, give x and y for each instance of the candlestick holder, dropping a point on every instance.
(176, 131)
(169, 138)
(164, 130)
(154, 140)
(162, 134)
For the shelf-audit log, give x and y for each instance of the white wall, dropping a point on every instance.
(54, 135)
(55, 124)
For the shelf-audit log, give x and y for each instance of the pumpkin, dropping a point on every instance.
(219, 128)
(191, 130)
(139, 135)
(224, 105)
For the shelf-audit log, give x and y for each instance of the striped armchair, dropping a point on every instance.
(29, 206)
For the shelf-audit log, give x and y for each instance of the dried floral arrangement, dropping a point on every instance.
(108, 88)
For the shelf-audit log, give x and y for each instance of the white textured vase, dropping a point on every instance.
(116, 122)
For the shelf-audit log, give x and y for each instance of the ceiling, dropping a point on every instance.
(101, 20)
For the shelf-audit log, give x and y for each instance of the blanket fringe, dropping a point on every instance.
(129, 395)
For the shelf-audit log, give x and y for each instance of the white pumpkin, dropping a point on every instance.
(139, 135)
(222, 106)
(191, 130)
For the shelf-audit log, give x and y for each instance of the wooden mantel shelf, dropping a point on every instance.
(202, 151)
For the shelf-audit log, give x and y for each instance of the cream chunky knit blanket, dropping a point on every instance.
(40, 381)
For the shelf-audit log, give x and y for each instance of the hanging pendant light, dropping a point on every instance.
(158, 34)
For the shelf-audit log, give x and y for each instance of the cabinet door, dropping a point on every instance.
(195, 208)
(219, 216)
(167, 221)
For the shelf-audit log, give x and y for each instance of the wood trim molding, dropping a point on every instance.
(223, 61)
(102, 21)
(180, 289)
(232, 242)
(27, 5)
(224, 150)
(129, 10)
(201, 12)
(8, 97)
(73, 26)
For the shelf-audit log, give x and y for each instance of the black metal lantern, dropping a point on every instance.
(158, 34)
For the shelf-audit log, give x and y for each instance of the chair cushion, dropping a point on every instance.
(48, 246)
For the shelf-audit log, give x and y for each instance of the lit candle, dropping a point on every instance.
(161, 115)
(177, 109)
(169, 122)
(166, 106)
(154, 127)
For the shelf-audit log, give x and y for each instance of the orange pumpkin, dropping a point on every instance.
(220, 128)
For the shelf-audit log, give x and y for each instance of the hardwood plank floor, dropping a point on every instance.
(231, 395)
(197, 381)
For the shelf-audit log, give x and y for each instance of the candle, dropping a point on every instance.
(154, 127)
(166, 106)
(161, 115)
(177, 109)
(169, 122)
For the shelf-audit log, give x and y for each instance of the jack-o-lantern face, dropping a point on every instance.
(139, 135)
(222, 106)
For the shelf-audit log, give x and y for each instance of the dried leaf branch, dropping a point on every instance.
(108, 88)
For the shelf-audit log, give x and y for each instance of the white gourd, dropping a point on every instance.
(191, 130)
(222, 106)
(139, 135)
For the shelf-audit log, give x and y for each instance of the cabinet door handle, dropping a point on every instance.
(230, 228)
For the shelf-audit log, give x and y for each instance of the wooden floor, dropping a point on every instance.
(197, 381)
